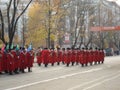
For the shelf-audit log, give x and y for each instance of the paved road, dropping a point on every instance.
(98, 77)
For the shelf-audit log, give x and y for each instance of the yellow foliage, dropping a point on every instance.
(38, 22)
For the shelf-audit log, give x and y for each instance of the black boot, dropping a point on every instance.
(39, 64)
(102, 62)
(67, 64)
(46, 65)
(10, 73)
(29, 70)
(6, 71)
(58, 63)
(91, 64)
(82, 65)
(72, 63)
(52, 64)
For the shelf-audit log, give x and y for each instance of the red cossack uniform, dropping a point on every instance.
(81, 57)
(59, 56)
(73, 56)
(68, 59)
(4, 61)
(64, 56)
(77, 56)
(29, 59)
(53, 57)
(10, 62)
(23, 62)
(39, 57)
(45, 56)
(86, 57)
(90, 57)
(16, 60)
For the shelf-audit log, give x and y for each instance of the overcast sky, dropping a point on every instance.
(117, 1)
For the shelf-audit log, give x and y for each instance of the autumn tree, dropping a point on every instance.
(45, 21)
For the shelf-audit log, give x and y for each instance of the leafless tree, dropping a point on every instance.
(13, 17)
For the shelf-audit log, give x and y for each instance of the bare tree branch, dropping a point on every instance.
(8, 15)
(2, 27)
(19, 17)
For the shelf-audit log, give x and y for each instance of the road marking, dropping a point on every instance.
(78, 86)
(52, 69)
(61, 77)
(94, 85)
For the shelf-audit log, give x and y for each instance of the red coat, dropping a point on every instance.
(81, 57)
(16, 59)
(64, 56)
(77, 56)
(96, 56)
(73, 56)
(90, 56)
(68, 57)
(4, 61)
(59, 56)
(29, 59)
(52, 57)
(10, 62)
(46, 56)
(23, 62)
(39, 57)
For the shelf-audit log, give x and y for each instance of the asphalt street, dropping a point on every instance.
(97, 77)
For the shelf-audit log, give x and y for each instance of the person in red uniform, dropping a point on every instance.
(96, 56)
(23, 62)
(86, 56)
(39, 57)
(30, 60)
(81, 57)
(63, 55)
(15, 53)
(68, 59)
(10, 62)
(4, 61)
(90, 56)
(73, 56)
(59, 56)
(46, 56)
(53, 56)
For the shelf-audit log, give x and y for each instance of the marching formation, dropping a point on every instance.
(16, 61)
(69, 56)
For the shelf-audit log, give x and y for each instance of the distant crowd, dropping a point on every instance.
(68, 56)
